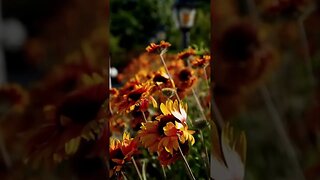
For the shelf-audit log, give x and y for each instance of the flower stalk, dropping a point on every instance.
(167, 71)
(136, 167)
(191, 176)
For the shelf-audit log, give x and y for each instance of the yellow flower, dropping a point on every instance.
(169, 131)
(178, 110)
(186, 134)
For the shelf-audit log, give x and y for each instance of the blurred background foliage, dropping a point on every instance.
(136, 23)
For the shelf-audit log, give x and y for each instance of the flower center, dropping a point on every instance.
(159, 78)
(163, 122)
(185, 75)
(135, 96)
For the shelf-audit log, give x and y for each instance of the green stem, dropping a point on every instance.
(136, 167)
(199, 104)
(124, 176)
(187, 165)
(144, 116)
(206, 77)
(281, 130)
(164, 172)
(207, 162)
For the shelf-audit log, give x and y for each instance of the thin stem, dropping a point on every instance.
(136, 167)
(124, 176)
(199, 104)
(164, 172)
(306, 49)
(205, 118)
(206, 76)
(167, 71)
(187, 165)
(144, 116)
(144, 170)
(4, 152)
(280, 128)
(207, 162)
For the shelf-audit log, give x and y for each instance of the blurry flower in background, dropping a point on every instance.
(184, 79)
(61, 80)
(78, 117)
(186, 53)
(284, 8)
(13, 98)
(243, 62)
(14, 102)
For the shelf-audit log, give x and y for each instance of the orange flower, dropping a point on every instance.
(116, 124)
(62, 80)
(184, 79)
(201, 61)
(187, 53)
(121, 152)
(150, 135)
(157, 47)
(78, 117)
(161, 77)
(138, 98)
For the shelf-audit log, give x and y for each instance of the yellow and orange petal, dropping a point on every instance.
(171, 141)
(186, 135)
(149, 135)
(187, 53)
(201, 62)
(138, 97)
(121, 152)
(157, 47)
(178, 110)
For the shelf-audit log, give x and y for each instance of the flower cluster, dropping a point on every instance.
(149, 121)
(152, 103)
(167, 132)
